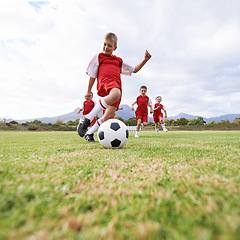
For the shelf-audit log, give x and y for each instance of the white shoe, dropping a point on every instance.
(157, 130)
(165, 130)
(137, 134)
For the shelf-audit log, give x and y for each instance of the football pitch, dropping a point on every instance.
(175, 185)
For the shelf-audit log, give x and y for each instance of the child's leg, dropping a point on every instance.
(139, 121)
(156, 127)
(163, 124)
(145, 120)
(161, 120)
(109, 113)
(114, 96)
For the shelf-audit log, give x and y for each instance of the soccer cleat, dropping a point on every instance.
(89, 137)
(157, 130)
(165, 130)
(83, 126)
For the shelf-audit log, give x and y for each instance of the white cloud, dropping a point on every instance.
(45, 48)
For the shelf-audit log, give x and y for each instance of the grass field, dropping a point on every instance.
(175, 185)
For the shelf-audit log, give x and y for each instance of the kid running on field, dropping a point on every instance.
(107, 68)
(143, 101)
(87, 106)
(158, 115)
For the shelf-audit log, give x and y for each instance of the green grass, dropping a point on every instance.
(175, 185)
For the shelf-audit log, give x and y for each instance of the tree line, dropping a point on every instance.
(181, 123)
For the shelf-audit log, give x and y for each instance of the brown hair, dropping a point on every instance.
(143, 87)
(111, 36)
(158, 97)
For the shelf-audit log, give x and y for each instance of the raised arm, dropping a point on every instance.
(143, 62)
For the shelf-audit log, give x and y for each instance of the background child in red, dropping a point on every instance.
(107, 69)
(87, 106)
(158, 115)
(143, 101)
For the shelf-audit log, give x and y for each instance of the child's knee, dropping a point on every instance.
(145, 123)
(116, 93)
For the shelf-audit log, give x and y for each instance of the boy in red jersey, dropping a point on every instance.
(158, 115)
(107, 68)
(143, 101)
(87, 106)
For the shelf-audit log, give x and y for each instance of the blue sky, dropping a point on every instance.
(45, 47)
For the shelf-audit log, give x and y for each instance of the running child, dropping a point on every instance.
(107, 69)
(158, 115)
(143, 102)
(87, 106)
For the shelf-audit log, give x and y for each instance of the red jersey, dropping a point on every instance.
(88, 106)
(143, 102)
(158, 112)
(107, 69)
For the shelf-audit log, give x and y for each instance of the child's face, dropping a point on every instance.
(109, 46)
(158, 100)
(143, 91)
(89, 98)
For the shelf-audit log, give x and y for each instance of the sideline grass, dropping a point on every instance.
(175, 185)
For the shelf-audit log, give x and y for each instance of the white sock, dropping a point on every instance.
(163, 126)
(95, 127)
(101, 105)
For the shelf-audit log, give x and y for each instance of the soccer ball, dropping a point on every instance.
(113, 134)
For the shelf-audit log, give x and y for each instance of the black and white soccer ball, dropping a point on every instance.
(113, 133)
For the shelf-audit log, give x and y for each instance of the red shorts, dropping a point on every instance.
(156, 118)
(143, 117)
(104, 89)
(116, 104)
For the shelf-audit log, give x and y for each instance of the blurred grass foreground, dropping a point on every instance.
(175, 185)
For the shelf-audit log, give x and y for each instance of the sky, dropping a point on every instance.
(46, 46)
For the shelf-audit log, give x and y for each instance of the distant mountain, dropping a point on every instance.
(184, 115)
(127, 113)
(229, 117)
(65, 118)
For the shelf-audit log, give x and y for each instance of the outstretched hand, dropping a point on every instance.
(147, 55)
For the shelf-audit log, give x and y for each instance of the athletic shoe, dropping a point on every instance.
(89, 137)
(165, 130)
(83, 126)
(137, 134)
(157, 130)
